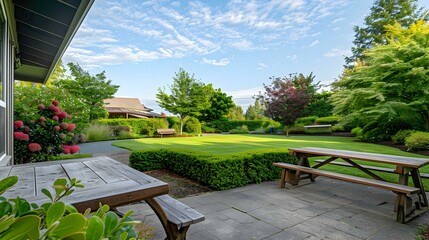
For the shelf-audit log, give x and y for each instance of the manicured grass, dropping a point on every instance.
(224, 144)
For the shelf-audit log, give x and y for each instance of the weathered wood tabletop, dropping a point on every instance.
(106, 181)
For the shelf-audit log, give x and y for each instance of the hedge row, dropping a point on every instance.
(216, 171)
(252, 125)
(137, 125)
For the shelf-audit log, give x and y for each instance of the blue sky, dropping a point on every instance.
(235, 45)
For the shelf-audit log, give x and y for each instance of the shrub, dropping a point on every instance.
(240, 130)
(207, 129)
(297, 129)
(417, 141)
(327, 120)
(120, 128)
(226, 125)
(217, 171)
(306, 120)
(98, 132)
(338, 128)
(146, 126)
(49, 135)
(191, 125)
(401, 135)
(357, 131)
(58, 220)
(324, 130)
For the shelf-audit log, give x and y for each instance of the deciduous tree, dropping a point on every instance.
(285, 99)
(220, 104)
(187, 97)
(91, 89)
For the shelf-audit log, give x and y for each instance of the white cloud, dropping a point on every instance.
(292, 57)
(221, 62)
(195, 28)
(338, 20)
(337, 52)
(314, 43)
(262, 66)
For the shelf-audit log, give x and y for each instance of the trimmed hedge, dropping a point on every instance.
(327, 120)
(137, 125)
(306, 120)
(216, 171)
(252, 125)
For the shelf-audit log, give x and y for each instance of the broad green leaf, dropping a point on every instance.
(47, 193)
(69, 225)
(71, 209)
(75, 236)
(46, 206)
(24, 228)
(7, 183)
(95, 228)
(5, 208)
(123, 236)
(55, 212)
(60, 185)
(22, 206)
(110, 222)
(5, 222)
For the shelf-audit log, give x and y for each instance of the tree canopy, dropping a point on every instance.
(220, 104)
(287, 97)
(383, 12)
(90, 89)
(392, 83)
(187, 97)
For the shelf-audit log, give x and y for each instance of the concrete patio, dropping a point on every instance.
(326, 209)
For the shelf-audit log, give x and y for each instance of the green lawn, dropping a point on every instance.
(221, 144)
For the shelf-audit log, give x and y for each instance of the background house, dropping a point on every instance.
(128, 108)
(33, 37)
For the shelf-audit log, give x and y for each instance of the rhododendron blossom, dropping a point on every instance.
(34, 147)
(18, 124)
(71, 127)
(55, 102)
(62, 115)
(21, 136)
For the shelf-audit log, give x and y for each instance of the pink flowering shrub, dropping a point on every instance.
(48, 135)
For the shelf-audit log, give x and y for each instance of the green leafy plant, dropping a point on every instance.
(401, 135)
(20, 219)
(50, 134)
(357, 131)
(417, 141)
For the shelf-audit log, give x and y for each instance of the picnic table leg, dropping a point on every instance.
(417, 180)
(401, 201)
(172, 233)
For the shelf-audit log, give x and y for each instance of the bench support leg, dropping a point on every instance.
(283, 178)
(170, 229)
(401, 208)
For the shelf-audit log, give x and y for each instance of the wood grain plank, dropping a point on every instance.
(135, 175)
(179, 213)
(105, 169)
(81, 172)
(411, 162)
(46, 176)
(349, 178)
(26, 186)
(4, 171)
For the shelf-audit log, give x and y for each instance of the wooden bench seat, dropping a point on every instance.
(380, 169)
(166, 131)
(180, 217)
(403, 205)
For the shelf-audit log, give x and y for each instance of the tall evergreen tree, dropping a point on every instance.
(383, 12)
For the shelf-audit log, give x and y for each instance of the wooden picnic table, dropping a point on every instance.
(403, 166)
(106, 181)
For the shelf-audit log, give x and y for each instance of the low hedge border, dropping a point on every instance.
(219, 172)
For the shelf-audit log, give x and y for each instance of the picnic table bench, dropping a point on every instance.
(410, 201)
(166, 131)
(107, 182)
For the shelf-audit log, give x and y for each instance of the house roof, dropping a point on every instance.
(43, 29)
(128, 105)
(119, 102)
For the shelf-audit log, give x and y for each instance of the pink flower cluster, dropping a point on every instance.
(70, 149)
(18, 124)
(21, 136)
(34, 147)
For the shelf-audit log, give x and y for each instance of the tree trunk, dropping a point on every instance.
(287, 131)
(181, 125)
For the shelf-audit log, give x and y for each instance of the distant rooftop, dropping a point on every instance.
(128, 107)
